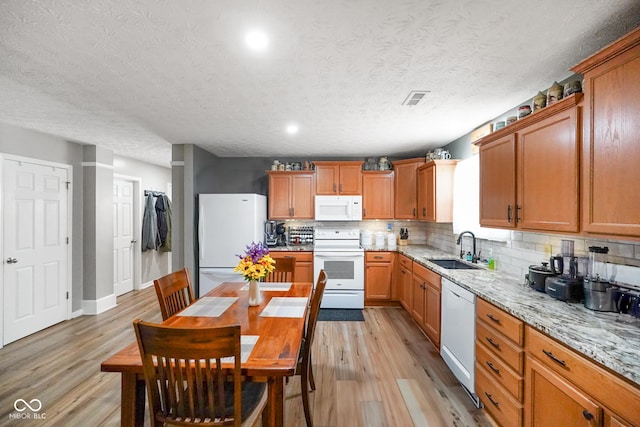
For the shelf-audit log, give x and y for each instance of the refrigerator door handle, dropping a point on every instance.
(201, 239)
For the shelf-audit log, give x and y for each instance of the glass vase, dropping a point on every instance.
(255, 296)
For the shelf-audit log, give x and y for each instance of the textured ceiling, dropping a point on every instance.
(138, 75)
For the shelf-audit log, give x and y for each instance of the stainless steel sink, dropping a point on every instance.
(453, 264)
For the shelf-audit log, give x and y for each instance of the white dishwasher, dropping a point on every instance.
(458, 334)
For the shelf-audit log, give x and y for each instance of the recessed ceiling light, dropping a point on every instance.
(257, 40)
(292, 129)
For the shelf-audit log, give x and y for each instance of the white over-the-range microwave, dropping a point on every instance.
(338, 208)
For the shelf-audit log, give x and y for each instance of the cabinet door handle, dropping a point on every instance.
(587, 415)
(509, 214)
(496, 404)
(424, 211)
(493, 368)
(364, 212)
(335, 188)
(341, 187)
(414, 212)
(493, 343)
(518, 208)
(554, 358)
(493, 318)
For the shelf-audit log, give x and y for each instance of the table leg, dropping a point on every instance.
(275, 403)
(132, 397)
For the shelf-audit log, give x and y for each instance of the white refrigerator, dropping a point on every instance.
(227, 223)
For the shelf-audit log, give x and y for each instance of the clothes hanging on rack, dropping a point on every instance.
(163, 212)
(156, 222)
(150, 233)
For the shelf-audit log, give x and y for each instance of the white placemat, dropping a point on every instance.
(209, 306)
(271, 286)
(285, 307)
(247, 342)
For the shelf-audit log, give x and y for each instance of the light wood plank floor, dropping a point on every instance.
(380, 372)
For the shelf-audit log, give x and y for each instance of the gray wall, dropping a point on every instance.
(36, 145)
(154, 264)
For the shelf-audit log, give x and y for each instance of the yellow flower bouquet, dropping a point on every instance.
(255, 263)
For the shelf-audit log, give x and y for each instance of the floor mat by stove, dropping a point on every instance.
(340, 315)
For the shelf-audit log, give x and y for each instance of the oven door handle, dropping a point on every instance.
(340, 255)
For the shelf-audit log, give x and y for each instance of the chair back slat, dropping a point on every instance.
(184, 382)
(285, 270)
(174, 292)
(316, 299)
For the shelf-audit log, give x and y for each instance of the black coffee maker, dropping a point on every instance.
(281, 234)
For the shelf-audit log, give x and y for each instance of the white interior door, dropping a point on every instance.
(123, 236)
(35, 248)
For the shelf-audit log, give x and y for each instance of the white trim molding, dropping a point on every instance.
(100, 305)
(97, 165)
(146, 285)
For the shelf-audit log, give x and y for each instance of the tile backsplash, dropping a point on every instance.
(523, 249)
(513, 256)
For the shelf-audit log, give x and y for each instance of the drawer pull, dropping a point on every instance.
(587, 415)
(378, 257)
(554, 358)
(493, 318)
(496, 404)
(493, 343)
(493, 368)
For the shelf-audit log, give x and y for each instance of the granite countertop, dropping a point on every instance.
(611, 339)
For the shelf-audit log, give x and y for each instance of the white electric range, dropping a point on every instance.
(338, 252)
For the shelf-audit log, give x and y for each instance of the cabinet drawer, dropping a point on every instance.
(503, 408)
(499, 371)
(406, 262)
(501, 346)
(300, 256)
(374, 256)
(612, 391)
(505, 323)
(426, 274)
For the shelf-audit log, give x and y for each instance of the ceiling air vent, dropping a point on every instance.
(414, 97)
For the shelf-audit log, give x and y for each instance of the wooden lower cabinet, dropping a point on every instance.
(425, 301)
(553, 401)
(404, 281)
(304, 264)
(502, 407)
(500, 363)
(378, 276)
(563, 387)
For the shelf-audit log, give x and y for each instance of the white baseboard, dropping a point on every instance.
(77, 313)
(99, 306)
(146, 285)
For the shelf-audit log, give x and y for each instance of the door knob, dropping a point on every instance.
(12, 260)
(134, 241)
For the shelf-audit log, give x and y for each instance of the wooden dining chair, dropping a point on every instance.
(285, 270)
(174, 292)
(185, 382)
(304, 368)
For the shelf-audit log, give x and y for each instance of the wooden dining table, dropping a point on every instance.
(273, 357)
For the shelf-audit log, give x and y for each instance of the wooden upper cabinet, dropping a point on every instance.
(498, 183)
(548, 174)
(529, 171)
(611, 138)
(406, 189)
(377, 195)
(291, 195)
(435, 190)
(343, 178)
